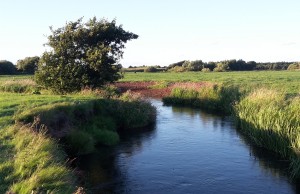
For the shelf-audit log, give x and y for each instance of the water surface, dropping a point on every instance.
(187, 151)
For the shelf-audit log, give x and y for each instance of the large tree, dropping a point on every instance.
(83, 55)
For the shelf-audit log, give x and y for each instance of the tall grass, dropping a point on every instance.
(19, 86)
(214, 97)
(34, 164)
(271, 120)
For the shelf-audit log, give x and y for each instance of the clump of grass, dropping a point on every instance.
(210, 97)
(160, 85)
(107, 91)
(132, 111)
(19, 86)
(271, 120)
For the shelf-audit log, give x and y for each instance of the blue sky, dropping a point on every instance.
(169, 30)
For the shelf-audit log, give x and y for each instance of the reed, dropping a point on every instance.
(271, 120)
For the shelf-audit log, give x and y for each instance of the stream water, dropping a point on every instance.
(186, 151)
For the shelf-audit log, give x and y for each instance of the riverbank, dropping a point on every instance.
(37, 130)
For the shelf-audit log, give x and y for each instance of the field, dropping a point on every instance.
(286, 81)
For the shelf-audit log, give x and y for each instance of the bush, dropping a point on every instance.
(177, 69)
(150, 69)
(294, 66)
(7, 68)
(206, 70)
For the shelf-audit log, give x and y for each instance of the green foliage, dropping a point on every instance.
(83, 55)
(7, 68)
(28, 65)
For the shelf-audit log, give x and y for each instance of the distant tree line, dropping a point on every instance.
(230, 65)
(24, 66)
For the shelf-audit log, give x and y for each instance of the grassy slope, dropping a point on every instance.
(287, 81)
(21, 152)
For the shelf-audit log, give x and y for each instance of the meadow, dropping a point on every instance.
(286, 81)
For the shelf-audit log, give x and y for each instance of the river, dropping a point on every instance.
(186, 151)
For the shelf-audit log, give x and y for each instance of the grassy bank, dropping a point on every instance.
(31, 157)
(270, 119)
(213, 97)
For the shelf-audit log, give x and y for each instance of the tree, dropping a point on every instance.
(28, 65)
(83, 55)
(7, 68)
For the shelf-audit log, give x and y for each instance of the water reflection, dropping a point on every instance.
(102, 169)
(186, 151)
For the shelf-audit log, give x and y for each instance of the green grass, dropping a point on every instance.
(287, 81)
(31, 161)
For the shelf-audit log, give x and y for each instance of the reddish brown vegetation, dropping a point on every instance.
(144, 88)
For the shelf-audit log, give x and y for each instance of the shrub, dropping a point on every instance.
(177, 69)
(150, 69)
(206, 70)
(294, 66)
